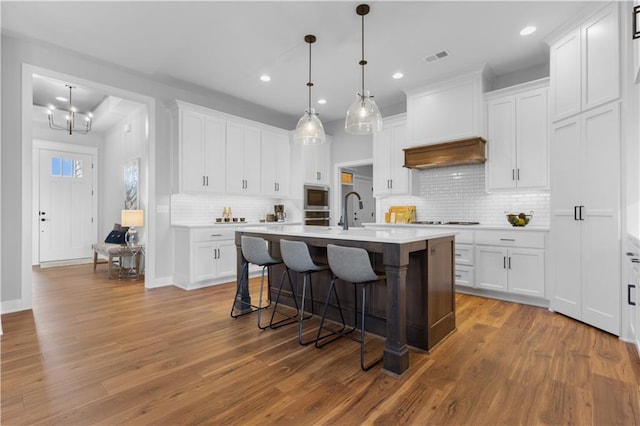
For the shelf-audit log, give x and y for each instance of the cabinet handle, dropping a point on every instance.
(630, 253)
(458, 276)
(507, 239)
(575, 212)
(513, 174)
(635, 260)
(518, 174)
(629, 287)
(581, 211)
(207, 180)
(216, 235)
(504, 262)
(509, 262)
(318, 175)
(203, 181)
(458, 254)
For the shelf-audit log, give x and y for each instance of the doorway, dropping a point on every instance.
(359, 179)
(28, 205)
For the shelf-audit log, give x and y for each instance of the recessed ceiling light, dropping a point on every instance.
(62, 98)
(322, 101)
(528, 30)
(265, 78)
(397, 76)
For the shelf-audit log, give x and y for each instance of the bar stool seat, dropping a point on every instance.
(296, 257)
(254, 250)
(349, 264)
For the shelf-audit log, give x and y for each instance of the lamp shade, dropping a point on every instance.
(132, 218)
(309, 130)
(363, 116)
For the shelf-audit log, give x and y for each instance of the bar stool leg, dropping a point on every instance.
(336, 333)
(288, 319)
(302, 317)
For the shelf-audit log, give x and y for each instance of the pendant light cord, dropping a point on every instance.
(309, 83)
(363, 62)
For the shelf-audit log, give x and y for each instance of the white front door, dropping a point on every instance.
(364, 187)
(65, 210)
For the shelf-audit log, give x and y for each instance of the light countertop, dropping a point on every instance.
(398, 235)
(230, 225)
(469, 227)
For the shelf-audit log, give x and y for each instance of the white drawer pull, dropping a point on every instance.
(507, 239)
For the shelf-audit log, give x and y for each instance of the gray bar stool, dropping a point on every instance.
(350, 264)
(254, 250)
(296, 257)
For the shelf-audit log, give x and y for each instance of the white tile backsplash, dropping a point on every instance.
(203, 209)
(458, 194)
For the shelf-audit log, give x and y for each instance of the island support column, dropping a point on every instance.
(396, 352)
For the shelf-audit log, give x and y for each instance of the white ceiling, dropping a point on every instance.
(226, 46)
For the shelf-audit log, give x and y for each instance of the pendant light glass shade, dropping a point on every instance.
(363, 116)
(309, 130)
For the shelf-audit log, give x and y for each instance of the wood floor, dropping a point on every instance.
(97, 351)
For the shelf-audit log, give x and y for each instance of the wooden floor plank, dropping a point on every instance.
(98, 351)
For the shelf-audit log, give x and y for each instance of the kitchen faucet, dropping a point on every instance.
(345, 221)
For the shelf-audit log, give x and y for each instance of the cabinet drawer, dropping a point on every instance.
(464, 236)
(464, 275)
(511, 238)
(211, 234)
(464, 254)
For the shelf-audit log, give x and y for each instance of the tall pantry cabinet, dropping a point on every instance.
(584, 241)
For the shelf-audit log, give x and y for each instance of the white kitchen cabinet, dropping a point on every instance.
(243, 159)
(463, 268)
(389, 175)
(585, 65)
(276, 160)
(631, 331)
(316, 163)
(517, 131)
(204, 256)
(511, 261)
(201, 144)
(446, 111)
(585, 209)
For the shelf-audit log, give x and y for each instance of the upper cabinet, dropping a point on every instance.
(585, 65)
(243, 159)
(389, 175)
(446, 111)
(201, 148)
(316, 163)
(276, 167)
(517, 135)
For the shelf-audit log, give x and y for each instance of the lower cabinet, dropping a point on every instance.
(510, 261)
(204, 256)
(464, 259)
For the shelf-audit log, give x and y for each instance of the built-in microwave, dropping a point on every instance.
(316, 197)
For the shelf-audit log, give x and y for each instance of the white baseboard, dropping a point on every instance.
(9, 306)
(71, 262)
(159, 282)
(507, 297)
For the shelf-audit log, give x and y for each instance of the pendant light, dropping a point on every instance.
(309, 130)
(363, 116)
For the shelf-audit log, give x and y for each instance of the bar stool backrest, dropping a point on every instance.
(295, 255)
(350, 264)
(254, 249)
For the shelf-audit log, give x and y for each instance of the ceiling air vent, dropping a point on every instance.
(437, 56)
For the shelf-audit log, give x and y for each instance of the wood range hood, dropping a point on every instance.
(454, 153)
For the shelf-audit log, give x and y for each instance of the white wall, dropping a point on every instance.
(15, 53)
(126, 140)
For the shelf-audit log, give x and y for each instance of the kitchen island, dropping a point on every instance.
(415, 307)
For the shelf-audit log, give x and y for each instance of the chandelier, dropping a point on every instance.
(72, 116)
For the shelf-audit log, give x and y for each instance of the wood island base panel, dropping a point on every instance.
(414, 307)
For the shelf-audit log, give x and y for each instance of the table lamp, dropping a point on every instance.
(131, 219)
